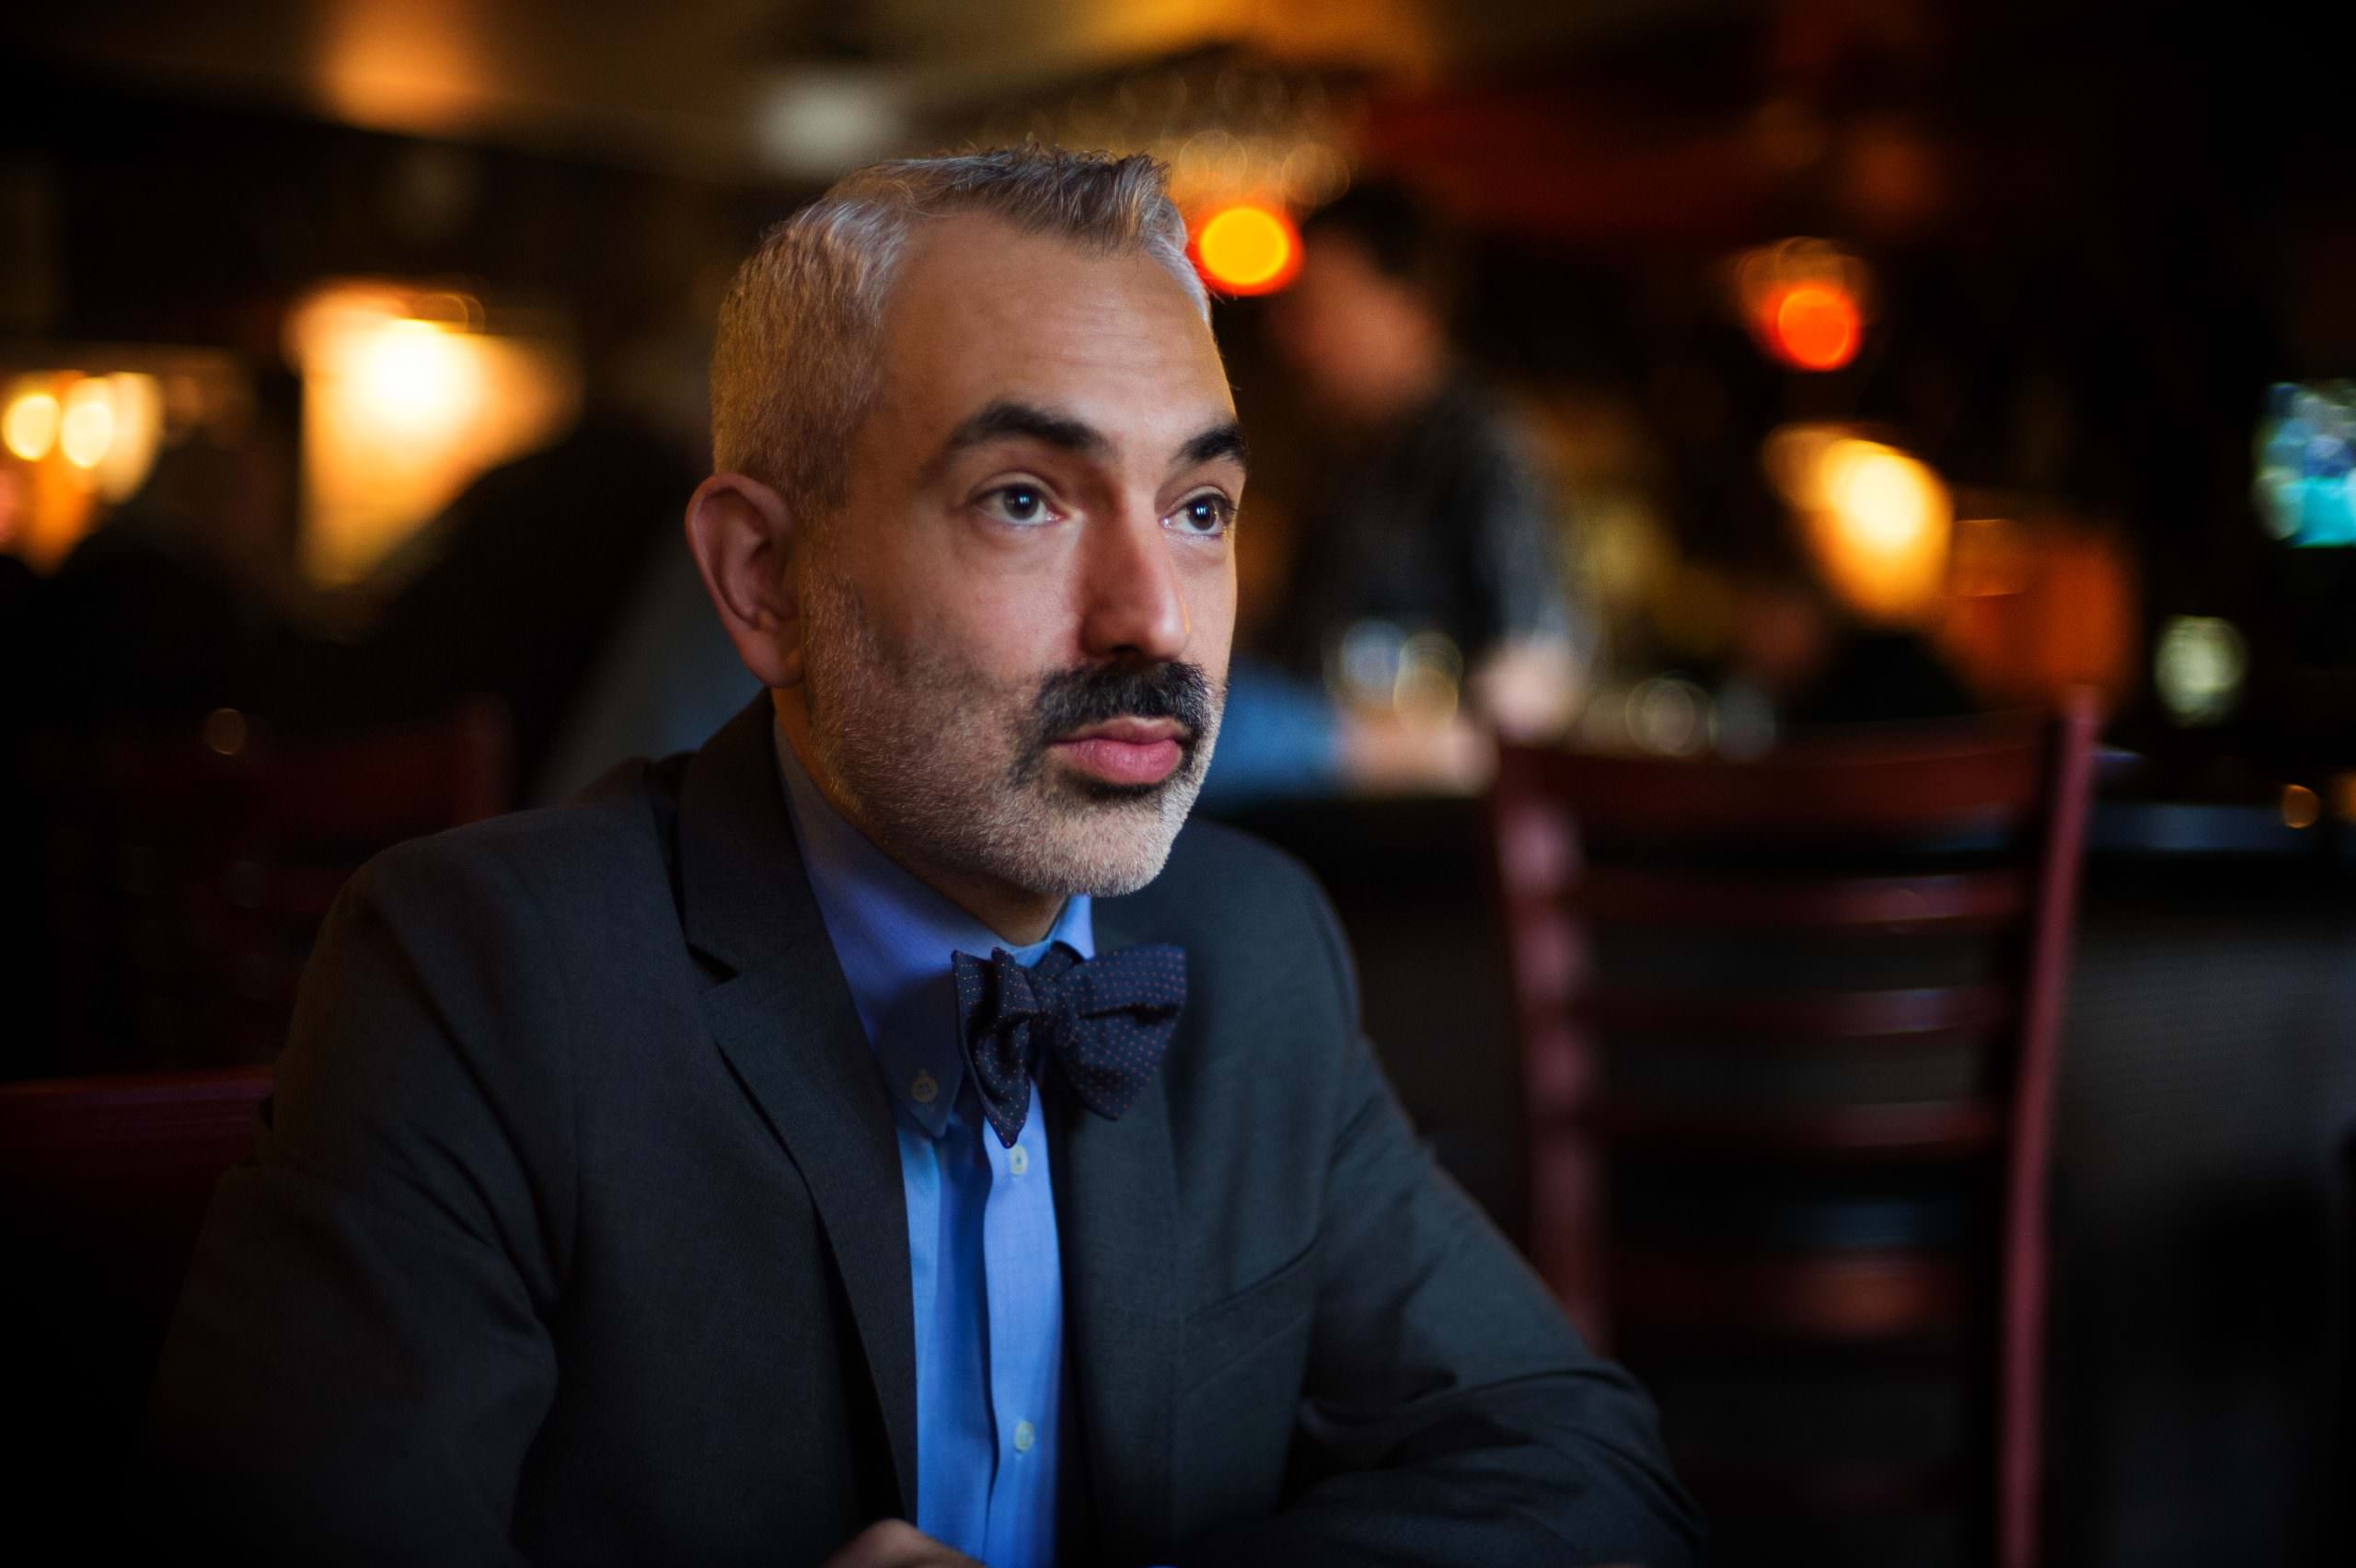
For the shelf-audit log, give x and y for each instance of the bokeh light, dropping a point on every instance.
(1816, 327)
(136, 404)
(1876, 520)
(1806, 301)
(29, 426)
(1430, 678)
(2198, 666)
(1248, 249)
(89, 438)
(2304, 481)
(86, 428)
(1670, 716)
(1887, 501)
(415, 376)
(408, 395)
(225, 731)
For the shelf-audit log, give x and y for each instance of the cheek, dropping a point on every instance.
(998, 640)
(1211, 609)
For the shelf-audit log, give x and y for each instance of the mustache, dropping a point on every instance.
(1073, 699)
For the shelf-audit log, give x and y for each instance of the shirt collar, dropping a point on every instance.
(895, 937)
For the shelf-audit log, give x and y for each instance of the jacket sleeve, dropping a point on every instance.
(1451, 1413)
(360, 1359)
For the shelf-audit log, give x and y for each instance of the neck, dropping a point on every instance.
(1017, 916)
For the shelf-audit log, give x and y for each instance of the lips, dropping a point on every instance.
(1126, 750)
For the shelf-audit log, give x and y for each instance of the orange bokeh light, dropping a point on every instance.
(1248, 249)
(1815, 325)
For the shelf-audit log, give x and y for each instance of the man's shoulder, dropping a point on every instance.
(608, 845)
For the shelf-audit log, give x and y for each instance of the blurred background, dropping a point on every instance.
(1681, 380)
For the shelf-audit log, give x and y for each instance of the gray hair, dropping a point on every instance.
(793, 366)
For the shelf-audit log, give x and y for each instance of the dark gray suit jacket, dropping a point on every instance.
(574, 1232)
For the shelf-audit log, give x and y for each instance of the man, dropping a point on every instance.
(742, 1163)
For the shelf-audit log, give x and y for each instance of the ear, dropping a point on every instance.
(748, 549)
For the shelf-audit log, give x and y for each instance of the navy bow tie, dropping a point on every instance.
(1105, 1021)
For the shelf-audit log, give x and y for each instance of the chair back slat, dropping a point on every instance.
(1917, 784)
(1784, 1014)
(1927, 1130)
(1901, 903)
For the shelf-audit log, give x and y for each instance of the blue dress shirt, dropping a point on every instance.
(986, 1274)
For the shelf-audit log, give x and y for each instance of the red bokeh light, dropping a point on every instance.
(1814, 326)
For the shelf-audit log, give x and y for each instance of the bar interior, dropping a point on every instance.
(1798, 593)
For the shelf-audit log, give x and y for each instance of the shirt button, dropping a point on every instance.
(1024, 1436)
(1018, 1159)
(924, 1089)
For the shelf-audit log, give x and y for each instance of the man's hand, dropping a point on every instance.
(895, 1543)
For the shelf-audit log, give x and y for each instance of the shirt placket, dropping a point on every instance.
(1025, 1316)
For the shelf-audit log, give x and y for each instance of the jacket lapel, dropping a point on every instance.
(785, 1022)
(1117, 1209)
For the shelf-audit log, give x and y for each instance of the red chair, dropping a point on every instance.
(182, 872)
(103, 1186)
(1788, 1031)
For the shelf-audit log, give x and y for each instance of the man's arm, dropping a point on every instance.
(1451, 1413)
(359, 1361)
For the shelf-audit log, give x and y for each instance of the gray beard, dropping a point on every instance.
(942, 766)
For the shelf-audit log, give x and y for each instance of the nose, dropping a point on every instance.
(1134, 606)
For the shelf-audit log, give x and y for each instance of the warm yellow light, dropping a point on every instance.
(407, 396)
(1887, 500)
(1876, 520)
(30, 427)
(415, 376)
(1248, 249)
(136, 409)
(87, 428)
(2299, 807)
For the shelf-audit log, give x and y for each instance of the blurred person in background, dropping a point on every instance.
(521, 583)
(1434, 523)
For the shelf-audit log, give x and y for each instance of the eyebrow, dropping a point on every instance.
(1222, 440)
(1006, 418)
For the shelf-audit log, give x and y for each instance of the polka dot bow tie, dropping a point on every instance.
(1105, 1021)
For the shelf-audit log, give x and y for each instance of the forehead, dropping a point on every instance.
(981, 311)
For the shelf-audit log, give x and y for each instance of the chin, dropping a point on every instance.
(1108, 848)
(1103, 839)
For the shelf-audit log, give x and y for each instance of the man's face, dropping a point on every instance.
(1017, 627)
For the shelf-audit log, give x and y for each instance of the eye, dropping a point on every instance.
(1021, 505)
(1207, 514)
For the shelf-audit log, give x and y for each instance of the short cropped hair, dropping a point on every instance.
(793, 365)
